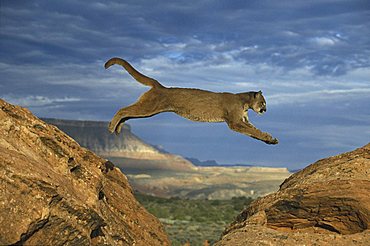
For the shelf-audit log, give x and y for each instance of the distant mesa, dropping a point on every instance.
(198, 162)
(326, 203)
(126, 150)
(54, 192)
(94, 135)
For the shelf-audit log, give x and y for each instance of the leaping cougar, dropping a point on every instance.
(193, 104)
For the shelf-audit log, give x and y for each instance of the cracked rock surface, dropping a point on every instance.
(54, 192)
(327, 203)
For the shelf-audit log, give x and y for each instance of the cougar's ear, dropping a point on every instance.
(256, 94)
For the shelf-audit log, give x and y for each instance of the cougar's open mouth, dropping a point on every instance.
(262, 110)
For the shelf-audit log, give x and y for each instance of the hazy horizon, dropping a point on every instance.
(311, 59)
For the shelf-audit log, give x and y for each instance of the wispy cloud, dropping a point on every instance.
(321, 96)
(38, 101)
(325, 41)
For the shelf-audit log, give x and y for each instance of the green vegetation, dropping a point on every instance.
(193, 221)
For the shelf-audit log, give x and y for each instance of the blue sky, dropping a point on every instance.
(311, 59)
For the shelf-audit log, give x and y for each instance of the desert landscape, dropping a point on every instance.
(211, 182)
(154, 171)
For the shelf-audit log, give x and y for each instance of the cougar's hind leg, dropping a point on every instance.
(117, 121)
(137, 110)
(133, 111)
(150, 103)
(119, 126)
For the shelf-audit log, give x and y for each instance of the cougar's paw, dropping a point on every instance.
(118, 128)
(111, 127)
(272, 141)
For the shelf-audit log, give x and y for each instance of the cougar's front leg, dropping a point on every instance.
(248, 129)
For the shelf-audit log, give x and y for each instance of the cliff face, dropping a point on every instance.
(94, 135)
(54, 192)
(327, 203)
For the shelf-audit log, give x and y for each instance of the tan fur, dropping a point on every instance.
(193, 104)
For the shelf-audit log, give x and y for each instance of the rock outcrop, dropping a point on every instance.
(327, 203)
(54, 192)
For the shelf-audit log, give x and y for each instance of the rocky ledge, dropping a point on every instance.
(54, 192)
(327, 203)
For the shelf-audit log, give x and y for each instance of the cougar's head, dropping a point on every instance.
(258, 103)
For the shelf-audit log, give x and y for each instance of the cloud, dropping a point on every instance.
(324, 41)
(38, 101)
(317, 96)
(43, 33)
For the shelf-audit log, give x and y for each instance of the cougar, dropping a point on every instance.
(193, 104)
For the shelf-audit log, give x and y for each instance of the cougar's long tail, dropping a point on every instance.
(133, 72)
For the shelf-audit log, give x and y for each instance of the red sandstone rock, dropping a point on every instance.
(54, 192)
(327, 203)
